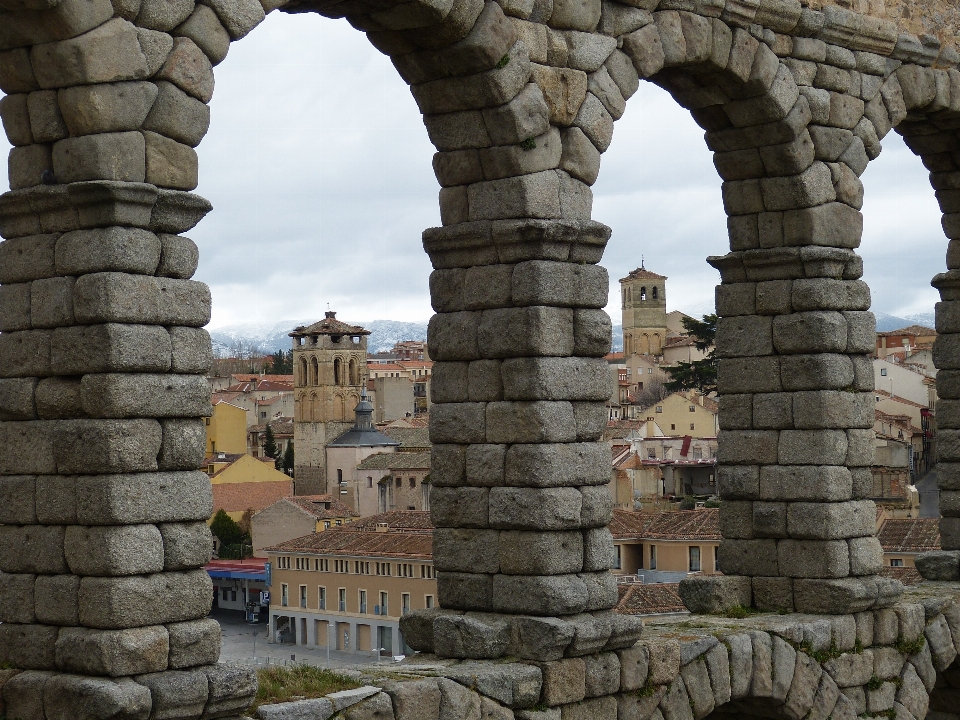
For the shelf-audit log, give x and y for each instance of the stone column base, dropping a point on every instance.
(939, 565)
(486, 636)
(728, 594)
(221, 691)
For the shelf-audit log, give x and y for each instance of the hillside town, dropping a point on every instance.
(320, 465)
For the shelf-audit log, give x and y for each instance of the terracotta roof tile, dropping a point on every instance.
(396, 461)
(418, 437)
(910, 535)
(346, 540)
(238, 497)
(627, 525)
(641, 273)
(322, 507)
(702, 524)
(906, 575)
(399, 520)
(329, 326)
(652, 599)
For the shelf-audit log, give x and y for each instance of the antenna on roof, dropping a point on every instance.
(641, 263)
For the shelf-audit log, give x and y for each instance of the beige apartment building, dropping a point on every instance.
(665, 547)
(347, 587)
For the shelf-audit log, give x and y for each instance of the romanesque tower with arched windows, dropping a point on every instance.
(643, 295)
(330, 371)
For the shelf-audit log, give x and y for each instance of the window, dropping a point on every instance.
(399, 482)
(361, 568)
(338, 523)
(326, 524)
(363, 602)
(384, 569)
(618, 559)
(428, 601)
(691, 426)
(339, 476)
(322, 598)
(341, 566)
(303, 596)
(323, 565)
(653, 557)
(405, 603)
(206, 421)
(413, 482)
(284, 595)
(694, 559)
(896, 562)
(650, 371)
(369, 482)
(673, 426)
(643, 293)
(383, 603)
(659, 408)
(883, 372)
(342, 599)
(654, 292)
(283, 563)
(303, 563)
(404, 570)
(716, 558)
(693, 408)
(263, 415)
(426, 572)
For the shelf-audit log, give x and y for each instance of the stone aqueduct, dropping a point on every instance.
(103, 355)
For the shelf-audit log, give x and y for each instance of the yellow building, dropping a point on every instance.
(246, 483)
(682, 414)
(227, 429)
(294, 517)
(665, 547)
(349, 586)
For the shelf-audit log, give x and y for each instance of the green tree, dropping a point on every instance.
(285, 463)
(226, 529)
(270, 448)
(700, 375)
(281, 363)
(688, 503)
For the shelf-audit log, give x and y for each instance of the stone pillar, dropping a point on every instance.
(795, 378)
(520, 498)
(103, 594)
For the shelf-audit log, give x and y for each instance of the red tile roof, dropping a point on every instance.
(346, 541)
(652, 599)
(398, 520)
(329, 326)
(906, 575)
(239, 497)
(641, 273)
(702, 524)
(910, 535)
(322, 507)
(627, 525)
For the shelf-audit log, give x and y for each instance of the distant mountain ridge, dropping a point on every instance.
(384, 334)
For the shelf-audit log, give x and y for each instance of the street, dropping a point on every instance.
(929, 495)
(238, 646)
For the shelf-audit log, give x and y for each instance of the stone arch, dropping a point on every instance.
(304, 374)
(339, 376)
(314, 371)
(922, 104)
(339, 407)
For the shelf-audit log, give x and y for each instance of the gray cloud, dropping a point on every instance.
(318, 167)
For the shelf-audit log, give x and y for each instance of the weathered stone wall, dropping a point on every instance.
(102, 350)
(934, 17)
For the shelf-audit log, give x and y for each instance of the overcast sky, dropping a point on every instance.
(319, 170)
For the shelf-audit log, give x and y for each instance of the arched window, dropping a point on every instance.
(643, 293)
(354, 372)
(654, 292)
(338, 372)
(314, 371)
(304, 379)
